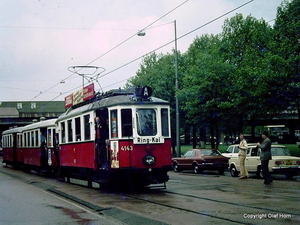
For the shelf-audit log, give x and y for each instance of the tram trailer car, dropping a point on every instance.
(32, 147)
(137, 146)
(12, 153)
(40, 146)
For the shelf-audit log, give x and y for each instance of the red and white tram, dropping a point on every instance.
(39, 145)
(130, 147)
(11, 143)
(138, 142)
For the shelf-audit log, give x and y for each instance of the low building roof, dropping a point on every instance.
(9, 112)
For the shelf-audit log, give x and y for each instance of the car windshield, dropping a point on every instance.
(189, 153)
(209, 152)
(146, 122)
(277, 151)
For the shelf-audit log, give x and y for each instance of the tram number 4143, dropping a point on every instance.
(127, 148)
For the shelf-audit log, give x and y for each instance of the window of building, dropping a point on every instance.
(33, 105)
(19, 105)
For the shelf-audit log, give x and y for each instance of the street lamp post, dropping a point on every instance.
(176, 95)
(143, 33)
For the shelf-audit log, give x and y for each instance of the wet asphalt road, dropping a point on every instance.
(206, 198)
(23, 204)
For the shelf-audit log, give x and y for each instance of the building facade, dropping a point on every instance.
(21, 113)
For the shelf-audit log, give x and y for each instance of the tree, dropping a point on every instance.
(206, 84)
(158, 72)
(286, 53)
(247, 47)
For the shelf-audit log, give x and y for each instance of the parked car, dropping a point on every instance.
(233, 150)
(201, 159)
(282, 162)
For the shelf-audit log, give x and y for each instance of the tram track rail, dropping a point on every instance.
(151, 198)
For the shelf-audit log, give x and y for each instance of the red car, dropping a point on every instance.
(201, 159)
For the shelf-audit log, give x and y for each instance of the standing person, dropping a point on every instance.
(101, 136)
(243, 147)
(265, 156)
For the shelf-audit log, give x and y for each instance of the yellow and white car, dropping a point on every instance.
(282, 162)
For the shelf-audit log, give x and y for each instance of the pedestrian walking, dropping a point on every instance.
(265, 156)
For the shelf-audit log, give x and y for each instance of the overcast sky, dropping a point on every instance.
(41, 39)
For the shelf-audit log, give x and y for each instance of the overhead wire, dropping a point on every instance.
(170, 42)
(115, 46)
(184, 35)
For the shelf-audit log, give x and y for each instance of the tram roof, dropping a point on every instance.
(41, 124)
(13, 130)
(118, 100)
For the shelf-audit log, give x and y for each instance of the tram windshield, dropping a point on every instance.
(146, 122)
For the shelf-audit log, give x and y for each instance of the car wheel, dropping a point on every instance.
(176, 168)
(196, 168)
(259, 173)
(221, 171)
(233, 171)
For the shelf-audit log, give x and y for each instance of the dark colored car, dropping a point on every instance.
(201, 159)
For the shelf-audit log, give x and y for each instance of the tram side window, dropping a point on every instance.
(87, 127)
(50, 138)
(25, 139)
(7, 142)
(114, 123)
(165, 122)
(28, 139)
(126, 118)
(10, 139)
(146, 122)
(70, 131)
(37, 138)
(78, 129)
(32, 138)
(63, 132)
(4, 142)
(19, 140)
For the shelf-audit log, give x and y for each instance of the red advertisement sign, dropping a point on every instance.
(81, 95)
(88, 92)
(69, 101)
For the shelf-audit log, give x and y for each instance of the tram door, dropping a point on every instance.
(101, 135)
(43, 145)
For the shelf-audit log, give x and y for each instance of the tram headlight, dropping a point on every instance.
(149, 160)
